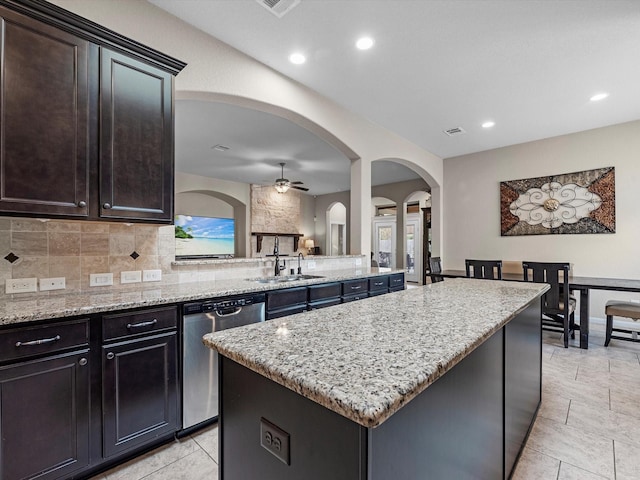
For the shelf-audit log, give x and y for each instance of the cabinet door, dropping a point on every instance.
(140, 400)
(44, 417)
(136, 139)
(43, 120)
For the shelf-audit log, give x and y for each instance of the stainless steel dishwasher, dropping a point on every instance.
(200, 363)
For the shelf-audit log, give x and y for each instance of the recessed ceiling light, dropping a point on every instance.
(365, 43)
(599, 96)
(488, 124)
(297, 58)
(220, 148)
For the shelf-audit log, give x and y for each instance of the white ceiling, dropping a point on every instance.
(529, 65)
(257, 143)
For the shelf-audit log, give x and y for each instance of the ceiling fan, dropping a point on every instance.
(283, 184)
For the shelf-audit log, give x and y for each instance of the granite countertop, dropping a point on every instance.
(264, 258)
(23, 308)
(366, 359)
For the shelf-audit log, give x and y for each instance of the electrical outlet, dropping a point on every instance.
(100, 279)
(132, 276)
(358, 262)
(311, 264)
(21, 285)
(56, 283)
(275, 441)
(151, 275)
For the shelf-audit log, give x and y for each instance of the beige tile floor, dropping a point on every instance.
(588, 426)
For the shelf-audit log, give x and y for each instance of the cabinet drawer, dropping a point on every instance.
(286, 298)
(324, 291)
(351, 287)
(396, 280)
(324, 303)
(353, 298)
(377, 284)
(28, 341)
(137, 323)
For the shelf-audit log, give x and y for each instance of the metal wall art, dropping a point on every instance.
(579, 202)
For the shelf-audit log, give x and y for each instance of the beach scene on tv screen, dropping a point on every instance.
(204, 235)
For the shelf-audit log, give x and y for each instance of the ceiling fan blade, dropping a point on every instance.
(297, 183)
(300, 188)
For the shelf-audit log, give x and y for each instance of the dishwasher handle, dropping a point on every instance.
(225, 313)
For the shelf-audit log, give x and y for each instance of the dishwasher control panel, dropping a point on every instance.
(222, 304)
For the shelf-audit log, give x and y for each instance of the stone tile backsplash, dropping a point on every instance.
(76, 249)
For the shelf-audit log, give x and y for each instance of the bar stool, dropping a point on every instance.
(620, 308)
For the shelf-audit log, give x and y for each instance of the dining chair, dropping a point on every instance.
(487, 269)
(558, 307)
(621, 308)
(435, 266)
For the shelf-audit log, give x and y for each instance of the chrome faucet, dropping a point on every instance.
(300, 257)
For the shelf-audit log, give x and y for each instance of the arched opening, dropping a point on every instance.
(336, 238)
(404, 215)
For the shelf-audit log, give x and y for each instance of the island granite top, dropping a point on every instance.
(23, 308)
(366, 359)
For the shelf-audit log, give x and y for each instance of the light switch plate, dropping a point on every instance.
(132, 276)
(151, 275)
(100, 279)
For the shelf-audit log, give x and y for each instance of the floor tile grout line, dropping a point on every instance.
(615, 473)
(206, 452)
(167, 465)
(566, 419)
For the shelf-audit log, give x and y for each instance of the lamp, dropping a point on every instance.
(282, 186)
(309, 245)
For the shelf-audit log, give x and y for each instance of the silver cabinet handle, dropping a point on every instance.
(110, 356)
(38, 342)
(356, 287)
(82, 204)
(377, 284)
(142, 324)
(83, 361)
(106, 206)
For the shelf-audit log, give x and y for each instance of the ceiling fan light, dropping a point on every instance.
(282, 187)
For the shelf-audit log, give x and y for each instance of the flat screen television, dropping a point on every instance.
(201, 237)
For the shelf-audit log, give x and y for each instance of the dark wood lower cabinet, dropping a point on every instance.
(140, 392)
(44, 422)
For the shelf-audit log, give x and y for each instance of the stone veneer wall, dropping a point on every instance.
(277, 213)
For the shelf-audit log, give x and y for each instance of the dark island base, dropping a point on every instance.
(471, 423)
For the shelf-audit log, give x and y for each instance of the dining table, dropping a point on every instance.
(576, 284)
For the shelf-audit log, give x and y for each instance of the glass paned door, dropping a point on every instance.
(385, 244)
(414, 257)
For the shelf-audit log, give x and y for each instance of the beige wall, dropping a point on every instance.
(472, 205)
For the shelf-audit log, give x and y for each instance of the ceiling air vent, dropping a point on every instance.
(278, 7)
(452, 132)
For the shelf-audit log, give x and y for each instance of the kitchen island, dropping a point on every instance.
(442, 381)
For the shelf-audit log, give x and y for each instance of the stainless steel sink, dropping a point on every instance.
(285, 278)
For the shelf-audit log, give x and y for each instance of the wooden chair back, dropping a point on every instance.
(435, 266)
(487, 269)
(556, 300)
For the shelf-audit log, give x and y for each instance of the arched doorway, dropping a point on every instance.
(336, 239)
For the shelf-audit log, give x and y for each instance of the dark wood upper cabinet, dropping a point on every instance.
(44, 126)
(86, 119)
(136, 139)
